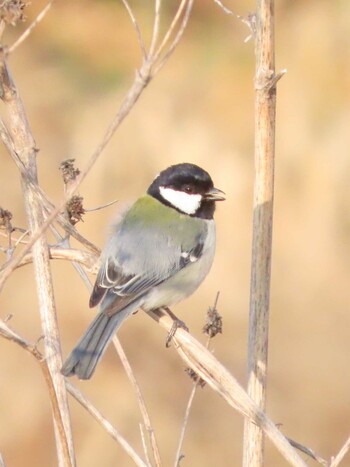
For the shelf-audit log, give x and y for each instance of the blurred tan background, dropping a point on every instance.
(72, 73)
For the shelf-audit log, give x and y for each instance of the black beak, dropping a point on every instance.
(214, 194)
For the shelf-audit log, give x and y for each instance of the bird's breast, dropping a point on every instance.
(182, 284)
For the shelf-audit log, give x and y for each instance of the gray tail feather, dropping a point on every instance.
(89, 350)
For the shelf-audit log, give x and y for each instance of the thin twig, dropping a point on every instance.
(335, 461)
(156, 23)
(102, 206)
(171, 29)
(248, 20)
(144, 445)
(177, 38)
(197, 383)
(87, 259)
(65, 244)
(109, 428)
(178, 455)
(140, 399)
(30, 28)
(224, 8)
(2, 28)
(137, 29)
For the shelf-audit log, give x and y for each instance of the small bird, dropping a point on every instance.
(158, 254)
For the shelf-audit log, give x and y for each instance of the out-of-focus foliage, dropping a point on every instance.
(72, 73)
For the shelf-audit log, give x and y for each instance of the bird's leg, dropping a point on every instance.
(176, 324)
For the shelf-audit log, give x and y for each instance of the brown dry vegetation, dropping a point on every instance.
(72, 73)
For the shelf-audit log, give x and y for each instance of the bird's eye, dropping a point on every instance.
(188, 189)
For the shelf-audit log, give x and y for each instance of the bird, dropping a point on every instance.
(158, 254)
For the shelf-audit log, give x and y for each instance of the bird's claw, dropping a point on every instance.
(176, 324)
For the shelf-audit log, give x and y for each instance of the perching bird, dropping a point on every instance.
(158, 254)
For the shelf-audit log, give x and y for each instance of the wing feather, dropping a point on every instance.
(159, 257)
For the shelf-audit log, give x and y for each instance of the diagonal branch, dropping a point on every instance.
(196, 356)
(137, 29)
(341, 454)
(30, 28)
(140, 399)
(7, 333)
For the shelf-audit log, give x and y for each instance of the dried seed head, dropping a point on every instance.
(5, 220)
(11, 11)
(196, 378)
(69, 172)
(75, 209)
(213, 325)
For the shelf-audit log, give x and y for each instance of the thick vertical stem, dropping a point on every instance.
(265, 106)
(24, 150)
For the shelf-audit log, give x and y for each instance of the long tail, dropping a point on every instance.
(89, 350)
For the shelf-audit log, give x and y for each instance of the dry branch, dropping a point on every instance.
(110, 429)
(265, 108)
(30, 28)
(209, 369)
(341, 454)
(87, 259)
(141, 401)
(221, 381)
(9, 334)
(24, 147)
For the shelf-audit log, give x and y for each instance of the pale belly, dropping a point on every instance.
(186, 281)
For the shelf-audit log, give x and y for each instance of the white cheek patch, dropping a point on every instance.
(185, 202)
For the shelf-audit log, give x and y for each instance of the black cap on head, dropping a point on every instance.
(187, 178)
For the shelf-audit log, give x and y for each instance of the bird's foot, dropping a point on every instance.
(176, 324)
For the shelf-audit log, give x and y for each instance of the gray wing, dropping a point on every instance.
(133, 264)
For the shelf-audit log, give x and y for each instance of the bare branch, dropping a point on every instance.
(249, 20)
(137, 29)
(211, 328)
(203, 362)
(171, 29)
(341, 454)
(178, 455)
(224, 8)
(9, 334)
(110, 429)
(29, 30)
(140, 399)
(177, 38)
(156, 24)
(144, 445)
(102, 206)
(87, 259)
(23, 146)
(2, 29)
(265, 112)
